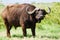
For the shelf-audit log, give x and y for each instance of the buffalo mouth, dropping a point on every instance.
(39, 20)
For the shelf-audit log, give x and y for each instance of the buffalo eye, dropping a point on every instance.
(39, 10)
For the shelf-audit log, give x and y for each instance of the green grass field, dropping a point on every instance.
(48, 29)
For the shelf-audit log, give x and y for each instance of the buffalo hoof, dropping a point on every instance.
(9, 36)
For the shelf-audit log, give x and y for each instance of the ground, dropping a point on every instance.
(17, 35)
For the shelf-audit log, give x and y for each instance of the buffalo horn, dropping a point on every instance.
(31, 11)
(49, 10)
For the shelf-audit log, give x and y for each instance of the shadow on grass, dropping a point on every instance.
(54, 37)
(21, 36)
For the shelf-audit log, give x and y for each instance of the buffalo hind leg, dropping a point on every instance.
(8, 31)
(33, 31)
(8, 27)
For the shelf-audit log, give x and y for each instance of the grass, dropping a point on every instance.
(48, 29)
(40, 34)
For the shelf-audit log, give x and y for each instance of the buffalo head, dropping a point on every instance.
(39, 13)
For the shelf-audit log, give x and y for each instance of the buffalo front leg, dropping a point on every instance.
(24, 30)
(33, 31)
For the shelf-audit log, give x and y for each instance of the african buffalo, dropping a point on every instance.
(24, 15)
